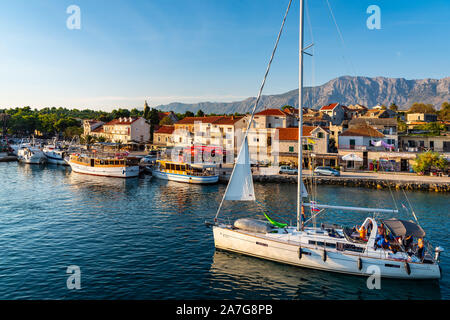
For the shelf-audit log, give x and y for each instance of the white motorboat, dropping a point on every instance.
(328, 247)
(31, 155)
(55, 155)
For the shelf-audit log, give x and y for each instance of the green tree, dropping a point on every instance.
(444, 113)
(166, 121)
(154, 120)
(286, 107)
(73, 131)
(146, 110)
(401, 125)
(188, 114)
(426, 160)
(200, 113)
(422, 108)
(393, 107)
(120, 113)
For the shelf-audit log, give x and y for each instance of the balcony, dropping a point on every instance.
(355, 147)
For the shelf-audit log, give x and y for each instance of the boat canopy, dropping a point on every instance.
(404, 228)
(351, 157)
(203, 165)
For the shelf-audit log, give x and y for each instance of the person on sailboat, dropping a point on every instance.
(381, 230)
(420, 250)
(362, 233)
(384, 243)
(303, 217)
(407, 242)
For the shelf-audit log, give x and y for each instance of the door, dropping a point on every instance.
(352, 144)
(365, 160)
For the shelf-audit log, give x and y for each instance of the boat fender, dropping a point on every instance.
(360, 264)
(407, 268)
(324, 255)
(300, 253)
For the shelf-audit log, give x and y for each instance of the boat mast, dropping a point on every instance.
(300, 117)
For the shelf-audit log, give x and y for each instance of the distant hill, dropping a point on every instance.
(346, 90)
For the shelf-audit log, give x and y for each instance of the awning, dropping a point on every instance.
(404, 228)
(351, 157)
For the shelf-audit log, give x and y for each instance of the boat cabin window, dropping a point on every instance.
(352, 247)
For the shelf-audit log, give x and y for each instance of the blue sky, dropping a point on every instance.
(205, 50)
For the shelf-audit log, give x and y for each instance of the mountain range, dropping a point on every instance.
(346, 90)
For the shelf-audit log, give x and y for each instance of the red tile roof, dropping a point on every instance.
(220, 120)
(192, 120)
(330, 106)
(292, 133)
(166, 130)
(362, 131)
(228, 120)
(271, 112)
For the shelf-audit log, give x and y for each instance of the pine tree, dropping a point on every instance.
(146, 110)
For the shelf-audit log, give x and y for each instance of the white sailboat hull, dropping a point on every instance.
(117, 172)
(185, 178)
(286, 251)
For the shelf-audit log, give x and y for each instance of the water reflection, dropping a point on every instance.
(259, 279)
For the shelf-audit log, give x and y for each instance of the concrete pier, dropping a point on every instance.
(363, 180)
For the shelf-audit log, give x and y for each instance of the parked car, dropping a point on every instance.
(288, 170)
(326, 171)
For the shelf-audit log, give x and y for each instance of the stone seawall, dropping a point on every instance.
(355, 182)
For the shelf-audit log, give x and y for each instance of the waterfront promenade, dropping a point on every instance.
(379, 180)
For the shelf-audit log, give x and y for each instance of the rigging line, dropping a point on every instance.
(257, 100)
(340, 36)
(410, 206)
(265, 207)
(389, 186)
(268, 67)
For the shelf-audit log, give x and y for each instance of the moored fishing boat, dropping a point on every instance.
(113, 165)
(185, 172)
(31, 155)
(382, 246)
(55, 155)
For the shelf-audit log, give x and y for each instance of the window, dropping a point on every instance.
(291, 149)
(320, 135)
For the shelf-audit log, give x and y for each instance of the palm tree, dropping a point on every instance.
(119, 144)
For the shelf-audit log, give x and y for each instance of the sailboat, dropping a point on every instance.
(331, 248)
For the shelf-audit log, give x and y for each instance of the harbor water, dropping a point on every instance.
(144, 238)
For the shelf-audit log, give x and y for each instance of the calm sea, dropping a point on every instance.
(145, 238)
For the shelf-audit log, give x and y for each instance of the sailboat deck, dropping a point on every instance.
(318, 239)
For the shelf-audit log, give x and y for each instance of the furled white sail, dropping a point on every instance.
(304, 191)
(240, 186)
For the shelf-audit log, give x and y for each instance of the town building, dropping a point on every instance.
(163, 136)
(421, 143)
(124, 130)
(335, 111)
(315, 146)
(220, 131)
(421, 117)
(275, 118)
(90, 125)
(386, 126)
